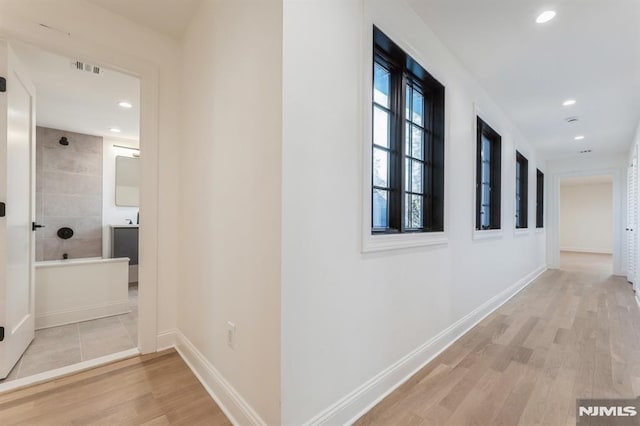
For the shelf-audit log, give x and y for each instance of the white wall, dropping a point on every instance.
(586, 218)
(102, 37)
(349, 317)
(112, 214)
(587, 165)
(231, 195)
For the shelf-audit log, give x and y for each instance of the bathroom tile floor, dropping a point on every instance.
(57, 347)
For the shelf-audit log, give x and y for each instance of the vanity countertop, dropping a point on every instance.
(125, 226)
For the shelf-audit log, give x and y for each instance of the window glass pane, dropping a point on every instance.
(486, 172)
(485, 195)
(407, 102)
(407, 175)
(381, 85)
(380, 167)
(486, 149)
(416, 176)
(380, 208)
(417, 136)
(407, 210)
(418, 108)
(413, 213)
(407, 138)
(485, 216)
(380, 127)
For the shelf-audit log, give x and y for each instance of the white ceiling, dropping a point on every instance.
(79, 101)
(169, 17)
(587, 180)
(590, 52)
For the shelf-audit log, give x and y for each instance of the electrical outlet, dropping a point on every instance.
(231, 334)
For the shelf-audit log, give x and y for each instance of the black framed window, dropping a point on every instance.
(539, 199)
(488, 177)
(408, 143)
(522, 191)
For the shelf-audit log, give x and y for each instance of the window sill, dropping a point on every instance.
(487, 234)
(385, 242)
(518, 232)
(540, 230)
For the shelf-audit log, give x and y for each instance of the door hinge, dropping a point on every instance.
(3, 84)
(1, 334)
(3, 209)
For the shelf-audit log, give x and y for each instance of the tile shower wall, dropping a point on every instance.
(68, 194)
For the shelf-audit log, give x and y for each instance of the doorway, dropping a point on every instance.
(87, 185)
(586, 223)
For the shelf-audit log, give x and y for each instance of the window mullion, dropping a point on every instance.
(402, 149)
(395, 198)
(427, 172)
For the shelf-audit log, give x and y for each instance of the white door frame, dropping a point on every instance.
(149, 190)
(553, 231)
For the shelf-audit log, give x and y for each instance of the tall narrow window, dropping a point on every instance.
(488, 177)
(408, 143)
(522, 191)
(383, 149)
(539, 199)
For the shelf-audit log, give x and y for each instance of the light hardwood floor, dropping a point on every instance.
(596, 262)
(155, 389)
(570, 334)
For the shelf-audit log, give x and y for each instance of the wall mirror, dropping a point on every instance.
(127, 181)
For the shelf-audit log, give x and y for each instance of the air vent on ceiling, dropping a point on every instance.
(585, 151)
(571, 119)
(84, 66)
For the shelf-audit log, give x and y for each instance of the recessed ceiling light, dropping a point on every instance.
(125, 104)
(115, 130)
(579, 138)
(569, 102)
(545, 16)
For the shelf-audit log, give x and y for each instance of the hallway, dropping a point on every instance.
(569, 334)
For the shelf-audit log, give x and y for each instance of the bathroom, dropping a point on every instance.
(87, 172)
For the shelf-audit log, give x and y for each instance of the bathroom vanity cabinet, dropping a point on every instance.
(124, 242)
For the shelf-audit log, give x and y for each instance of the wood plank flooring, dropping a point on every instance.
(569, 335)
(157, 389)
(596, 262)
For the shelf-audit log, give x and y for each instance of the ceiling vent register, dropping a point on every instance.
(84, 66)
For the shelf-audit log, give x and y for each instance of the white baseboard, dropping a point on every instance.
(587, 250)
(85, 313)
(166, 340)
(237, 410)
(352, 406)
